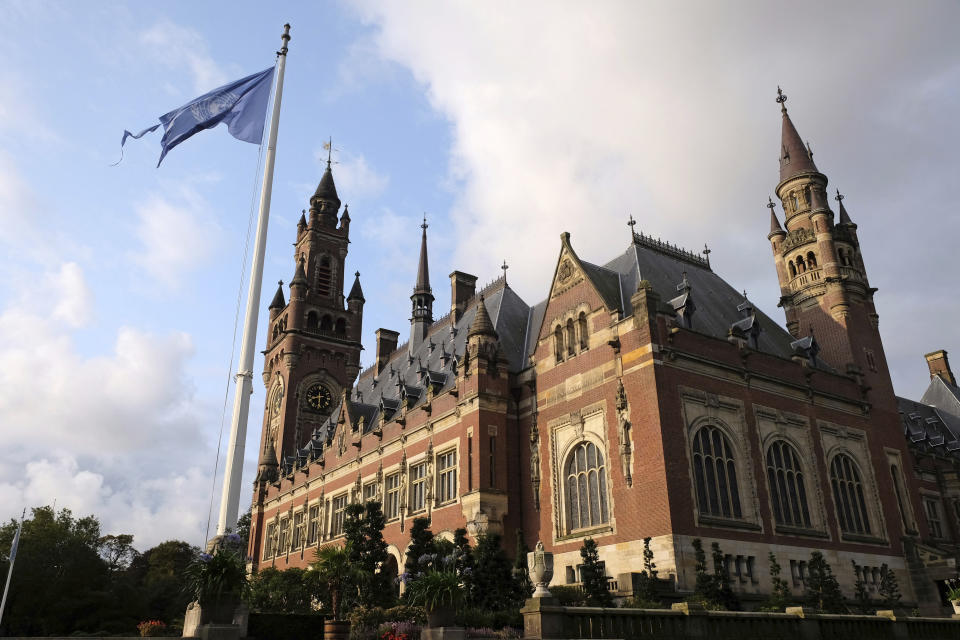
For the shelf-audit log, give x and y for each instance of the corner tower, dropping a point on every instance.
(313, 344)
(824, 288)
(422, 299)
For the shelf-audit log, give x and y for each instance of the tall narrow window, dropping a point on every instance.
(297, 530)
(446, 476)
(586, 487)
(582, 330)
(268, 541)
(848, 495)
(493, 461)
(571, 338)
(392, 500)
(715, 474)
(785, 478)
(369, 491)
(313, 524)
(418, 487)
(558, 343)
(339, 507)
(324, 276)
(898, 491)
(284, 536)
(932, 508)
(811, 260)
(793, 270)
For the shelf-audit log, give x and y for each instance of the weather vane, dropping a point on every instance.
(328, 145)
(781, 99)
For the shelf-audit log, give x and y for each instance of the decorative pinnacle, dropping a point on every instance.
(706, 253)
(329, 146)
(280, 282)
(781, 100)
(504, 266)
(424, 225)
(357, 274)
(809, 150)
(839, 198)
(770, 204)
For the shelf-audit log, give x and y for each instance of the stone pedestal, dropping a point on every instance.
(443, 633)
(192, 627)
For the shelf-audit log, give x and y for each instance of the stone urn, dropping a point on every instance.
(540, 566)
(956, 607)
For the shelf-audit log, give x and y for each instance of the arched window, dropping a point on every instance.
(312, 320)
(785, 477)
(796, 201)
(586, 487)
(582, 330)
(848, 495)
(811, 260)
(801, 267)
(571, 338)
(341, 326)
(558, 343)
(326, 324)
(793, 270)
(715, 474)
(323, 276)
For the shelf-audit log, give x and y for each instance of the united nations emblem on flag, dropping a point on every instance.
(213, 106)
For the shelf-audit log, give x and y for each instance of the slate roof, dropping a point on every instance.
(929, 428)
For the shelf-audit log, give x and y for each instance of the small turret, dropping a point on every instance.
(422, 298)
(325, 202)
(345, 220)
(278, 303)
(355, 300)
(775, 228)
(481, 325)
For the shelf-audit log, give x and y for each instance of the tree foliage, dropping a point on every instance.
(779, 589)
(494, 587)
(823, 590)
(889, 588)
(421, 544)
(363, 529)
(593, 576)
(289, 591)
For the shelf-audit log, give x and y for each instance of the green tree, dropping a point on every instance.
(117, 551)
(493, 585)
(338, 575)
(823, 590)
(243, 529)
(725, 593)
(593, 576)
(60, 583)
(158, 573)
(705, 589)
(889, 588)
(645, 595)
(421, 544)
(779, 589)
(363, 528)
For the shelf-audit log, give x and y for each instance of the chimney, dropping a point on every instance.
(462, 287)
(940, 366)
(386, 344)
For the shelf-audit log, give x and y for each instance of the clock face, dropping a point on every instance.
(277, 401)
(319, 397)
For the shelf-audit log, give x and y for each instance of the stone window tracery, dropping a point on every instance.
(586, 487)
(392, 501)
(848, 494)
(715, 474)
(787, 486)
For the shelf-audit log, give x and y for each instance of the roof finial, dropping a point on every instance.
(632, 223)
(329, 146)
(504, 266)
(770, 204)
(782, 99)
(424, 225)
(839, 197)
(706, 252)
(809, 150)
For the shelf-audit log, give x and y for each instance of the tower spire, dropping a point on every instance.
(775, 228)
(795, 156)
(422, 298)
(844, 216)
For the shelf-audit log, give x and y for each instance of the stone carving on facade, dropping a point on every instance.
(535, 462)
(623, 433)
(565, 272)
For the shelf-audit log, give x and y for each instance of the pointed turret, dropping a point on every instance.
(356, 293)
(775, 228)
(278, 301)
(795, 157)
(325, 202)
(481, 325)
(844, 216)
(422, 298)
(300, 276)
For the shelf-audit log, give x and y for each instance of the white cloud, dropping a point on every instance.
(73, 299)
(177, 46)
(175, 237)
(569, 116)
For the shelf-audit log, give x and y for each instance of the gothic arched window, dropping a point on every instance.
(801, 267)
(324, 276)
(793, 270)
(848, 495)
(571, 338)
(715, 474)
(785, 477)
(586, 487)
(811, 260)
(582, 330)
(558, 343)
(326, 324)
(312, 320)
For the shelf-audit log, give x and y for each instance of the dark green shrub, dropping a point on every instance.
(823, 590)
(593, 577)
(285, 626)
(405, 613)
(567, 595)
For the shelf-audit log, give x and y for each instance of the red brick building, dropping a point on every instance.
(642, 398)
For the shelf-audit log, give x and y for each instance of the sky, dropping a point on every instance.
(505, 123)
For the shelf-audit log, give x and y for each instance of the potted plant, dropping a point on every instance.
(338, 573)
(953, 594)
(440, 593)
(218, 581)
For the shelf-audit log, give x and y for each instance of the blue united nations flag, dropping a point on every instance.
(242, 105)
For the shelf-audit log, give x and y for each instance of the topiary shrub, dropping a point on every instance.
(568, 596)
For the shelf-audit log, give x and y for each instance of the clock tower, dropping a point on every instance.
(313, 342)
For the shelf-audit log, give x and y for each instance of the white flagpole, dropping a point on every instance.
(13, 556)
(233, 470)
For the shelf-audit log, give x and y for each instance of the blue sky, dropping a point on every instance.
(505, 124)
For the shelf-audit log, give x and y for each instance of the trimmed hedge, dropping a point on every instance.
(285, 626)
